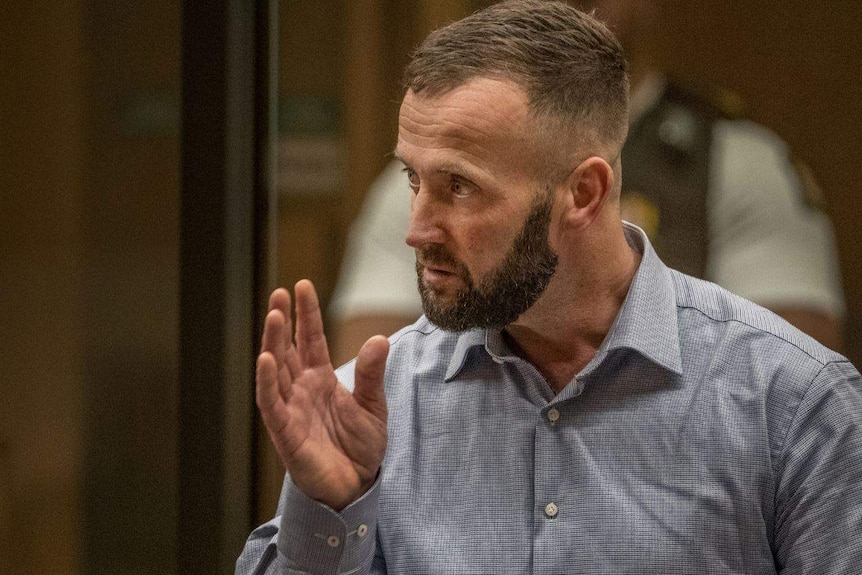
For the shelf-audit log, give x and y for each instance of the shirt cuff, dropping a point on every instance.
(317, 539)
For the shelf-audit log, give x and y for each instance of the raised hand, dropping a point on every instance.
(331, 441)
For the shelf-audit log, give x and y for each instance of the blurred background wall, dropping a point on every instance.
(89, 239)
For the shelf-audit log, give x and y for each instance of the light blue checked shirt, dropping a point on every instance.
(706, 436)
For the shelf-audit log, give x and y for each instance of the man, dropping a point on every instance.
(568, 404)
(718, 196)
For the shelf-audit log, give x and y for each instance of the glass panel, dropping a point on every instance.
(311, 168)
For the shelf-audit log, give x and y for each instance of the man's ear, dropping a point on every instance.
(589, 186)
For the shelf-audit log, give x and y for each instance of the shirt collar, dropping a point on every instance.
(466, 341)
(646, 322)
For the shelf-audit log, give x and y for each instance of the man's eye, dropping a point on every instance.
(461, 189)
(412, 179)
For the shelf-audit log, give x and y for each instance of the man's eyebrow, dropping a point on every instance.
(451, 169)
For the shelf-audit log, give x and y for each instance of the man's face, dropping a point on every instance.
(481, 218)
(507, 292)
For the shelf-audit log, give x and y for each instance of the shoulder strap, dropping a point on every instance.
(666, 169)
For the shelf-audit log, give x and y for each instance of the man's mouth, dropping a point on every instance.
(437, 276)
(436, 268)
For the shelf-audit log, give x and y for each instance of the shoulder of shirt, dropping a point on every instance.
(421, 327)
(421, 338)
(426, 344)
(743, 141)
(716, 304)
(410, 346)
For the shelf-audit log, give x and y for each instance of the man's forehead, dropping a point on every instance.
(482, 107)
(478, 89)
(484, 122)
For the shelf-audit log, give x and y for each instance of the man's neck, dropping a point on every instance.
(561, 333)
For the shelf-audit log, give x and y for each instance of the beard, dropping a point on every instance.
(511, 289)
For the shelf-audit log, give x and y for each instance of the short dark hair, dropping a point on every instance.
(570, 65)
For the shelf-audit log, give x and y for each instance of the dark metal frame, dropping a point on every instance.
(226, 267)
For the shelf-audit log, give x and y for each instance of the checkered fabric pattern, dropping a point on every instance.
(706, 436)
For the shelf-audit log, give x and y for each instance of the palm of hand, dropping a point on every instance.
(331, 441)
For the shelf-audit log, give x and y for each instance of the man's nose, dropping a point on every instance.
(425, 221)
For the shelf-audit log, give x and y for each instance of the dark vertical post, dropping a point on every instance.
(225, 242)
(266, 233)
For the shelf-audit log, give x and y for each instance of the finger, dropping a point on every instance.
(279, 303)
(368, 375)
(276, 336)
(280, 300)
(273, 325)
(310, 339)
(272, 340)
(268, 393)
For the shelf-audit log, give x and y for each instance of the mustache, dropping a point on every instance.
(437, 255)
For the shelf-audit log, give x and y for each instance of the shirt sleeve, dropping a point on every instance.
(377, 273)
(767, 243)
(819, 474)
(309, 538)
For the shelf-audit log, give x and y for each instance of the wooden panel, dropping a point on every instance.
(436, 13)
(130, 229)
(40, 257)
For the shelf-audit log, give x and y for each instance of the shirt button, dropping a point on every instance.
(553, 415)
(362, 530)
(333, 541)
(551, 510)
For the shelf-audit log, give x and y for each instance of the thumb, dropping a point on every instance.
(368, 375)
